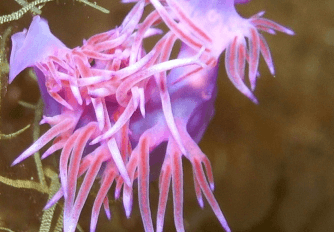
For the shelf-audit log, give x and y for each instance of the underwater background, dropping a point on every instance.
(273, 163)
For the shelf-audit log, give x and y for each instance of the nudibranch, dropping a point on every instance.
(110, 103)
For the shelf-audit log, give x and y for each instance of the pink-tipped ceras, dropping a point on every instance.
(110, 103)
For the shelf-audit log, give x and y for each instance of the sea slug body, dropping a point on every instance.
(110, 103)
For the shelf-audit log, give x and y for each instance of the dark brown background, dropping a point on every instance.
(273, 162)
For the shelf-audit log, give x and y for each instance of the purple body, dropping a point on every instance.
(110, 104)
